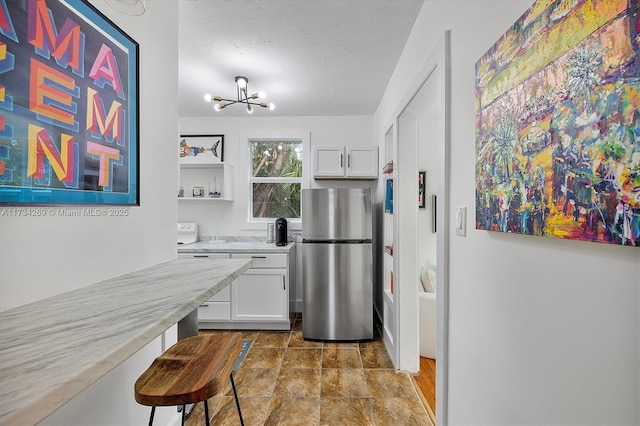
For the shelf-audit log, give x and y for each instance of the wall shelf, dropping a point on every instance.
(211, 177)
(203, 199)
(389, 261)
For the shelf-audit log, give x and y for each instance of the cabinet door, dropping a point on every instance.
(328, 161)
(362, 162)
(260, 295)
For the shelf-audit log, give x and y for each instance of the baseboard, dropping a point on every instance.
(427, 407)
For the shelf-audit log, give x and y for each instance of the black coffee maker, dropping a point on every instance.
(281, 231)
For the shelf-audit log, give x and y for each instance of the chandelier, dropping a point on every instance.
(243, 97)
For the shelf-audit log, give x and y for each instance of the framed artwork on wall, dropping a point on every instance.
(69, 131)
(557, 132)
(201, 149)
(421, 185)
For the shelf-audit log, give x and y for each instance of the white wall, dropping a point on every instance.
(542, 331)
(427, 161)
(45, 256)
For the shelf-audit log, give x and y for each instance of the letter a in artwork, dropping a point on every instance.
(105, 70)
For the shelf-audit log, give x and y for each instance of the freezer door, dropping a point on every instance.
(336, 214)
(337, 291)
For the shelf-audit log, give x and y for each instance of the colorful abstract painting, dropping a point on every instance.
(68, 106)
(557, 134)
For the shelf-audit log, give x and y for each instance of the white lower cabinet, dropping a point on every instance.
(260, 295)
(258, 299)
(217, 308)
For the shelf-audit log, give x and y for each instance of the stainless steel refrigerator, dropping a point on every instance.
(337, 265)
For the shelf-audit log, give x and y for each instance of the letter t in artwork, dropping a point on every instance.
(106, 155)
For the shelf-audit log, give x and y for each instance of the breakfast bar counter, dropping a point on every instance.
(53, 349)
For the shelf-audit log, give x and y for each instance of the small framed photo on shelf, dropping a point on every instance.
(422, 181)
(201, 149)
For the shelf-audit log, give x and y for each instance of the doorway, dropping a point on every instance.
(423, 234)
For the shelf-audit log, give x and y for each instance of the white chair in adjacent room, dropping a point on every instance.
(427, 311)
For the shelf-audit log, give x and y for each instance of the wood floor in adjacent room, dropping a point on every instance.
(426, 385)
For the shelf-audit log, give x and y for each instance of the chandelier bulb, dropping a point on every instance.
(242, 81)
(249, 109)
(207, 97)
(261, 94)
(272, 106)
(216, 107)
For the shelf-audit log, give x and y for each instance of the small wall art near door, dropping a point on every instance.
(68, 106)
(557, 134)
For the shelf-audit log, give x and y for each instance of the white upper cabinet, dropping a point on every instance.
(345, 162)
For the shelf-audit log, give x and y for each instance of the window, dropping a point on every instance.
(276, 178)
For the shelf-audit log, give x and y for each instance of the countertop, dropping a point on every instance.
(53, 349)
(231, 246)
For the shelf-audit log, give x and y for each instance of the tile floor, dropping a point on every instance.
(285, 380)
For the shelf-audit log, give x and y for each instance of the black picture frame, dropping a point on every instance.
(201, 149)
(434, 213)
(422, 182)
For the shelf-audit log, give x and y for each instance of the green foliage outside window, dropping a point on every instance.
(276, 178)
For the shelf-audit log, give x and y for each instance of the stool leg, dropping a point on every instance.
(206, 412)
(184, 410)
(153, 410)
(235, 395)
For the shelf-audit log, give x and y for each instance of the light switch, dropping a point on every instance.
(461, 221)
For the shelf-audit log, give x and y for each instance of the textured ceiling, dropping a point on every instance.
(311, 57)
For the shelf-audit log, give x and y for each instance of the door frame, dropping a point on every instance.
(436, 65)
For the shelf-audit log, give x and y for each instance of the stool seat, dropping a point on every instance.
(193, 370)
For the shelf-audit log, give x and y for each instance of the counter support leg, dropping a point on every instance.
(188, 326)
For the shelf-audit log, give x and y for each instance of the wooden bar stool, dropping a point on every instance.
(193, 370)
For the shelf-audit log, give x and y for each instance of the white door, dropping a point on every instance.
(260, 295)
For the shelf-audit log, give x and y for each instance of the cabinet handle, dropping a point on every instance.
(199, 255)
(341, 160)
(258, 257)
(284, 281)
(349, 160)
(204, 305)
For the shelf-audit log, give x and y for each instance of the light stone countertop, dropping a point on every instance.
(53, 349)
(231, 246)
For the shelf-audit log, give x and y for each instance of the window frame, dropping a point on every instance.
(296, 222)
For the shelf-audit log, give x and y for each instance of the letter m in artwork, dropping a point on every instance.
(109, 126)
(67, 46)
